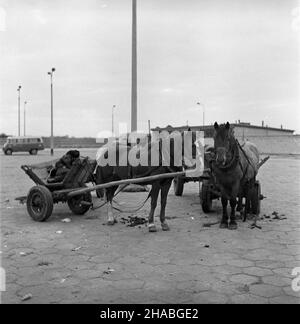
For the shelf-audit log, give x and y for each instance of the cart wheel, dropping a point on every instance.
(256, 198)
(178, 184)
(39, 203)
(80, 204)
(205, 197)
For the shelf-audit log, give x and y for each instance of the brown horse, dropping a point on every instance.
(108, 173)
(235, 168)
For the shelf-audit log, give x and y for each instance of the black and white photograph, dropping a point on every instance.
(150, 154)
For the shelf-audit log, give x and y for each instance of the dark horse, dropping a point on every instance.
(235, 168)
(108, 173)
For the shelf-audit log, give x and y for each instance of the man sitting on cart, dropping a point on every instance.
(63, 166)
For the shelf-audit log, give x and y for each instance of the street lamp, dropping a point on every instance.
(19, 130)
(134, 70)
(25, 102)
(51, 139)
(112, 119)
(198, 103)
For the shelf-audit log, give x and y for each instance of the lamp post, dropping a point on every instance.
(25, 102)
(51, 138)
(19, 126)
(134, 71)
(198, 103)
(112, 119)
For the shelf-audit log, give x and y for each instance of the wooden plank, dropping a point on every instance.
(126, 181)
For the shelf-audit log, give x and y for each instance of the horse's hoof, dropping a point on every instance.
(152, 228)
(112, 221)
(232, 226)
(223, 225)
(165, 227)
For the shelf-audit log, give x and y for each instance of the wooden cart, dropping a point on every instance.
(45, 193)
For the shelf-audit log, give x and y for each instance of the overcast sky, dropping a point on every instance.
(239, 58)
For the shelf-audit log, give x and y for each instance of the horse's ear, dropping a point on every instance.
(227, 126)
(216, 126)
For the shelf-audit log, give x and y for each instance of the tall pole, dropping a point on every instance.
(112, 119)
(134, 71)
(19, 125)
(51, 138)
(25, 102)
(203, 113)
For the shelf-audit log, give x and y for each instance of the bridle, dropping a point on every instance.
(234, 148)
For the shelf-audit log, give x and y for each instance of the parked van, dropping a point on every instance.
(23, 144)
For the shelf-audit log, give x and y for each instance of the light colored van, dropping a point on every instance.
(23, 144)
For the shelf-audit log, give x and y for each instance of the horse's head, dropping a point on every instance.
(224, 142)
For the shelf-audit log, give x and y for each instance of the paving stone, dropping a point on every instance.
(284, 300)
(208, 297)
(277, 281)
(264, 290)
(256, 271)
(289, 291)
(244, 279)
(248, 299)
(241, 263)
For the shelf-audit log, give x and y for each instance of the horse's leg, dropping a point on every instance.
(247, 201)
(154, 196)
(224, 221)
(111, 220)
(232, 223)
(164, 196)
(239, 207)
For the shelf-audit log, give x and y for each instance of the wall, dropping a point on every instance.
(276, 144)
(248, 131)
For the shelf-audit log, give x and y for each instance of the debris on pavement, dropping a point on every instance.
(254, 225)
(108, 271)
(66, 220)
(25, 253)
(44, 263)
(210, 224)
(26, 297)
(77, 248)
(132, 221)
(275, 215)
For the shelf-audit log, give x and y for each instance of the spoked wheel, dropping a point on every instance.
(178, 184)
(39, 203)
(80, 204)
(206, 197)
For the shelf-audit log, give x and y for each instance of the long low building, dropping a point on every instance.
(241, 130)
(269, 140)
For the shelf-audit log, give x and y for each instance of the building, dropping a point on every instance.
(242, 130)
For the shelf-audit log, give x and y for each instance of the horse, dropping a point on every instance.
(235, 168)
(107, 173)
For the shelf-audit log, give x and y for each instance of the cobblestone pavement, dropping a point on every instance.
(89, 262)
